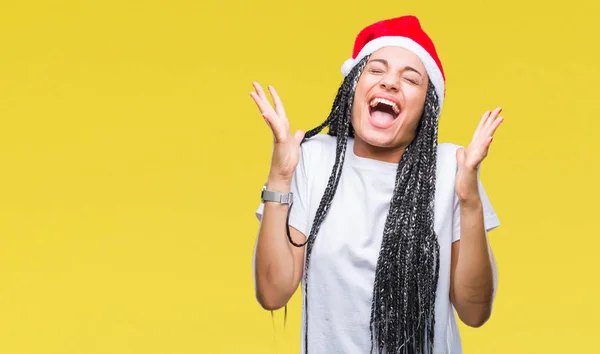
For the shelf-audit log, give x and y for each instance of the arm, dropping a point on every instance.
(472, 268)
(278, 265)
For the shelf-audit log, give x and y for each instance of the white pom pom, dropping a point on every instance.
(347, 67)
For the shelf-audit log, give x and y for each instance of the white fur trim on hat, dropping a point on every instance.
(347, 66)
(435, 75)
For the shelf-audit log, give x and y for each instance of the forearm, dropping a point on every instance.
(274, 259)
(472, 267)
(474, 272)
(473, 278)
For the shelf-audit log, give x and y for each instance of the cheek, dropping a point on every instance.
(416, 106)
(359, 93)
(365, 83)
(416, 98)
(358, 102)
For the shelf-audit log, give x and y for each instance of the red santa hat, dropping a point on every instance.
(404, 32)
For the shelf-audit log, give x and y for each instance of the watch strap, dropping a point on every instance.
(270, 196)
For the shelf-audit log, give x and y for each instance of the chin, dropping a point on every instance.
(379, 138)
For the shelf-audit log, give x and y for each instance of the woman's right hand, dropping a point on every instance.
(286, 148)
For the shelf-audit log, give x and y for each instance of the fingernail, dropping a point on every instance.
(500, 110)
(491, 139)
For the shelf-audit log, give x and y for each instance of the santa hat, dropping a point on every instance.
(404, 32)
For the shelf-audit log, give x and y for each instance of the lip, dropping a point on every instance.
(385, 97)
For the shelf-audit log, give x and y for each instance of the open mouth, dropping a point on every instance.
(383, 112)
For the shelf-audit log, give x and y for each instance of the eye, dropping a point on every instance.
(375, 71)
(412, 81)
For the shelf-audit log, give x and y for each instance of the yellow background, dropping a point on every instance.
(132, 157)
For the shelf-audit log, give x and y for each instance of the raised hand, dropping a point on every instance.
(286, 148)
(471, 157)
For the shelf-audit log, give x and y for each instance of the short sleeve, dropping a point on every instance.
(299, 188)
(490, 219)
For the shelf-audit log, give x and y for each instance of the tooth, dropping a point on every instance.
(378, 100)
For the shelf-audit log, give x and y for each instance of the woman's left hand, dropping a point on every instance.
(471, 157)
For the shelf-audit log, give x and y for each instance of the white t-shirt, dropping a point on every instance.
(344, 256)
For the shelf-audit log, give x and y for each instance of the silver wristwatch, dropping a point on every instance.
(269, 196)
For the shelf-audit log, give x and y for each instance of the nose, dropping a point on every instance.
(390, 82)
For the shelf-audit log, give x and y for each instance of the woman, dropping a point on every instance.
(386, 228)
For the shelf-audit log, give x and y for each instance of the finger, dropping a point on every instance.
(494, 126)
(275, 125)
(267, 120)
(486, 145)
(266, 104)
(298, 136)
(278, 137)
(260, 92)
(492, 118)
(267, 114)
(266, 109)
(490, 134)
(484, 131)
(484, 117)
(460, 155)
(278, 104)
(259, 102)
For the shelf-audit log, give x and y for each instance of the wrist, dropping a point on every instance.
(279, 184)
(467, 188)
(470, 202)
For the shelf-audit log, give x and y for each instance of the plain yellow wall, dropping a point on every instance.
(132, 158)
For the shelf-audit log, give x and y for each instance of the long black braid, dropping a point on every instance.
(406, 276)
(402, 311)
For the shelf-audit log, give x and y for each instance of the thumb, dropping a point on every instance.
(460, 155)
(298, 136)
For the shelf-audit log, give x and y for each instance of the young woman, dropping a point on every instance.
(386, 228)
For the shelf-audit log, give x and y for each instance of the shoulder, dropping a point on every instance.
(445, 149)
(319, 143)
(317, 154)
(320, 147)
(446, 156)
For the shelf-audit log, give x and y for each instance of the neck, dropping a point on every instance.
(391, 155)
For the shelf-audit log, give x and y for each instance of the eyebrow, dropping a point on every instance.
(408, 68)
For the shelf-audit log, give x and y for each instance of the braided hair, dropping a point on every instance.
(406, 275)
